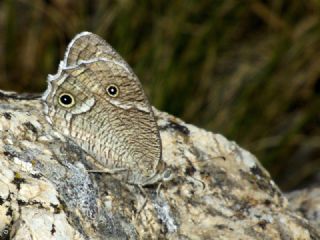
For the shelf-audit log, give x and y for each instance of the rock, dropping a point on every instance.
(218, 190)
(307, 203)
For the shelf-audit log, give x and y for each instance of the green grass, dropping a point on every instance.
(247, 69)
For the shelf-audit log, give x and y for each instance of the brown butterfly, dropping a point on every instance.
(97, 101)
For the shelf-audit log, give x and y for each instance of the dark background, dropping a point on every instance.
(247, 69)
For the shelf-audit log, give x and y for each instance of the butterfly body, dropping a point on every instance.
(97, 101)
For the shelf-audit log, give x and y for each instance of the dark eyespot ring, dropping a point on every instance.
(66, 100)
(113, 90)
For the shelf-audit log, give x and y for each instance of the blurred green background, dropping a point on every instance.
(247, 69)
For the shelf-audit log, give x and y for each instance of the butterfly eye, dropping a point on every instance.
(113, 90)
(66, 100)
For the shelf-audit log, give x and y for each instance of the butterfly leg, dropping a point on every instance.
(144, 203)
(158, 189)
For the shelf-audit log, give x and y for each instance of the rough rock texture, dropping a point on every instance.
(307, 203)
(219, 190)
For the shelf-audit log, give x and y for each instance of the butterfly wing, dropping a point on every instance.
(88, 46)
(119, 130)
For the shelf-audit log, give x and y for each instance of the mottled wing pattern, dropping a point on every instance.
(119, 132)
(89, 46)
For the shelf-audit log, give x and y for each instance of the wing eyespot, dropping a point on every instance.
(113, 90)
(66, 100)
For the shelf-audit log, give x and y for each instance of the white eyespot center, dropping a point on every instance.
(66, 100)
(112, 90)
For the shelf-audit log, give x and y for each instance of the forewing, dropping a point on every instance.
(89, 46)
